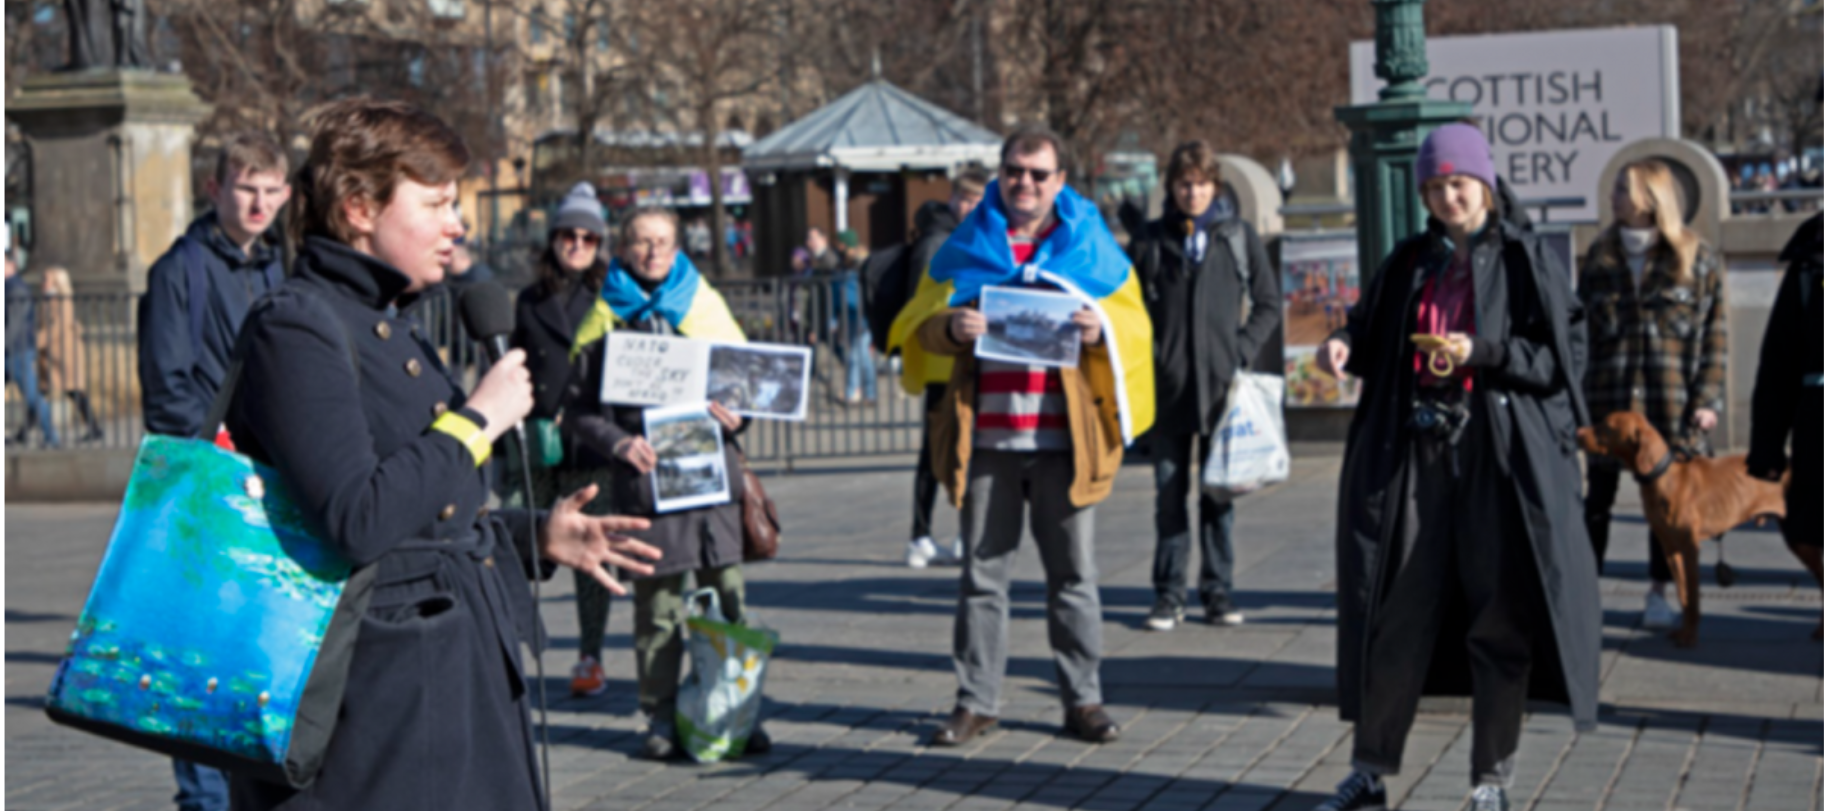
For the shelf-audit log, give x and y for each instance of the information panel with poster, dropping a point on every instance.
(1320, 281)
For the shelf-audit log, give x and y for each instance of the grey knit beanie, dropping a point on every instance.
(580, 209)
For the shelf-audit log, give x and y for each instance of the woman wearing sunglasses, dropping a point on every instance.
(570, 274)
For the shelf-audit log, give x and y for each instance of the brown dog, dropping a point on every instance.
(1687, 500)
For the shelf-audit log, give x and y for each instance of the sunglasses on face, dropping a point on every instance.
(584, 238)
(1039, 175)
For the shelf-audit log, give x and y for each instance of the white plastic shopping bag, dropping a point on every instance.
(1248, 451)
(719, 702)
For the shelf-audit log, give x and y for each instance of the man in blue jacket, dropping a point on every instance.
(200, 290)
(197, 295)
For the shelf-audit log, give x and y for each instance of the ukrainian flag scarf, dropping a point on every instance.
(684, 300)
(1079, 257)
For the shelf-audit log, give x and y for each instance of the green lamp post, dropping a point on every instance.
(1385, 136)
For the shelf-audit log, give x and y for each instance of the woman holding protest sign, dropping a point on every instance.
(652, 287)
(1462, 564)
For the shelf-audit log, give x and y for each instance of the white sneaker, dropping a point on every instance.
(1658, 613)
(921, 551)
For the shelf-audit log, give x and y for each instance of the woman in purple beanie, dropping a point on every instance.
(1462, 560)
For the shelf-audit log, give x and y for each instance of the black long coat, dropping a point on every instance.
(435, 712)
(1200, 341)
(545, 325)
(1535, 406)
(1786, 405)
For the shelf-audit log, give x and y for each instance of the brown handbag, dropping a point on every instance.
(759, 517)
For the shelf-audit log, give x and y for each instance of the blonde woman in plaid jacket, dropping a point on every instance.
(1653, 292)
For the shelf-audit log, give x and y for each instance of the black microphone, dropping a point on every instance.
(487, 312)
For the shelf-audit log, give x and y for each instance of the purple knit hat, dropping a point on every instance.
(1455, 149)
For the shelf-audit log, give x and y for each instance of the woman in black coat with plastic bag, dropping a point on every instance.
(1463, 565)
(341, 393)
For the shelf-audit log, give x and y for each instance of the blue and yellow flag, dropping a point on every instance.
(692, 307)
(1079, 257)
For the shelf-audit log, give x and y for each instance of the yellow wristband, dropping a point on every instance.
(462, 429)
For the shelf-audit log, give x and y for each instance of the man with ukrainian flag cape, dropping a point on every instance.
(1010, 439)
(652, 287)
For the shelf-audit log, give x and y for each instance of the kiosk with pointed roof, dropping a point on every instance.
(865, 161)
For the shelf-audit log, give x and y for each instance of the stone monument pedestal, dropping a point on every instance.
(110, 170)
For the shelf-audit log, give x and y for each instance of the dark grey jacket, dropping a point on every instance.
(338, 394)
(177, 379)
(1530, 355)
(1200, 340)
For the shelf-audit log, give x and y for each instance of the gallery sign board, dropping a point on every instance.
(1556, 105)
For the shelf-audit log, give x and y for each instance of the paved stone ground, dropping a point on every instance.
(1236, 719)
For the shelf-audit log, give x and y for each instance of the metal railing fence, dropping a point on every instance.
(85, 353)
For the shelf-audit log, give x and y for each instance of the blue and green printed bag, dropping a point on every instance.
(220, 627)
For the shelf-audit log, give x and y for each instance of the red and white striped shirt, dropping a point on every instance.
(1020, 407)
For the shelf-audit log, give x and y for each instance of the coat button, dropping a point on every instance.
(481, 513)
(447, 513)
(488, 561)
(384, 330)
(414, 368)
(438, 408)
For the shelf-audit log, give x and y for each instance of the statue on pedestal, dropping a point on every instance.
(107, 34)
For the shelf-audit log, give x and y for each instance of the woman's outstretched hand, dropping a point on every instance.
(590, 544)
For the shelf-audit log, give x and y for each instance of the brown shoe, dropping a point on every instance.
(962, 727)
(1090, 723)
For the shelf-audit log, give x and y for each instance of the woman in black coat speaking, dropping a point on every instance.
(341, 393)
(1463, 565)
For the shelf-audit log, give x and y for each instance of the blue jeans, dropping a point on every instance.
(1172, 466)
(199, 788)
(860, 361)
(22, 369)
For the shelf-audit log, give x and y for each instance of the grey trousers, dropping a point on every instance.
(1007, 490)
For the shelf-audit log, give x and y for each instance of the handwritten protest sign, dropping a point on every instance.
(652, 370)
(767, 381)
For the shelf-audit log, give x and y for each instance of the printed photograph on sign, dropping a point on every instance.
(767, 381)
(1307, 387)
(691, 471)
(1029, 326)
(1320, 280)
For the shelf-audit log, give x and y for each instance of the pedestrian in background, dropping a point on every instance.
(1458, 545)
(1789, 399)
(1653, 293)
(197, 295)
(383, 450)
(22, 354)
(854, 339)
(933, 224)
(652, 287)
(1214, 300)
(1019, 445)
(546, 318)
(61, 350)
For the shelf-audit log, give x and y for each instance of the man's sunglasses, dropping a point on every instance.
(1038, 175)
(583, 237)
